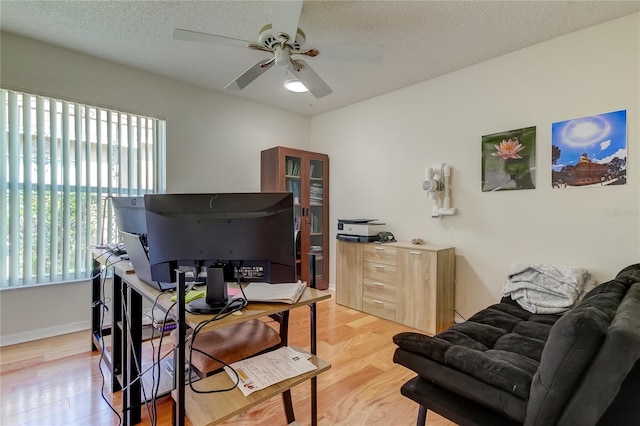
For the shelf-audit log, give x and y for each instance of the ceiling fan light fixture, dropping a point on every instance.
(294, 85)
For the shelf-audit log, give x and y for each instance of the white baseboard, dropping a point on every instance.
(43, 333)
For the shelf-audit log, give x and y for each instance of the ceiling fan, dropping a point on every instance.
(286, 42)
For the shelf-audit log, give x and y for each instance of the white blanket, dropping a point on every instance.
(547, 289)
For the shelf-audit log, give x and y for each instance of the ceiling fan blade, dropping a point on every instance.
(310, 79)
(180, 34)
(285, 16)
(350, 52)
(248, 76)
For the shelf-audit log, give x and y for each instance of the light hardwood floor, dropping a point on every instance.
(56, 381)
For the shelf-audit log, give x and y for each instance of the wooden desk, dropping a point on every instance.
(202, 409)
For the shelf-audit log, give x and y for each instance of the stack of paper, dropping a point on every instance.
(281, 292)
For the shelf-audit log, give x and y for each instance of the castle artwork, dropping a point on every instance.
(590, 151)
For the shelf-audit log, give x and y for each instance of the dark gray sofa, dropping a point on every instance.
(507, 366)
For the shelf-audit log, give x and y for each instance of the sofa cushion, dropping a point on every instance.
(619, 355)
(490, 397)
(499, 347)
(573, 342)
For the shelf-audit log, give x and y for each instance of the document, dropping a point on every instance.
(267, 369)
(281, 292)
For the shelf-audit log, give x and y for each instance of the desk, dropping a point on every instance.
(202, 409)
(113, 358)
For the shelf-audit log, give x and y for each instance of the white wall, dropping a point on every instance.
(213, 144)
(379, 148)
(378, 151)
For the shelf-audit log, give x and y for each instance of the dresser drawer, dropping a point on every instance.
(380, 253)
(380, 290)
(381, 272)
(379, 307)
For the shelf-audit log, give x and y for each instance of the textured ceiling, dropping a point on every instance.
(422, 39)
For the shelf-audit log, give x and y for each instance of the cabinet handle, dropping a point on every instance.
(378, 266)
(416, 252)
(379, 248)
(378, 302)
(377, 284)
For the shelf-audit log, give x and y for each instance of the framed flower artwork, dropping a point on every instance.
(509, 160)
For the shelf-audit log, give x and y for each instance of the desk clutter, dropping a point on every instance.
(158, 319)
(256, 292)
(213, 341)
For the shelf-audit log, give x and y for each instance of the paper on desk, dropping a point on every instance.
(264, 370)
(280, 293)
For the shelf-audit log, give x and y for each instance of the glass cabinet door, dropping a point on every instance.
(292, 170)
(306, 175)
(316, 219)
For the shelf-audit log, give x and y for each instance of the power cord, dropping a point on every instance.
(226, 311)
(103, 348)
(455, 284)
(232, 306)
(157, 364)
(137, 361)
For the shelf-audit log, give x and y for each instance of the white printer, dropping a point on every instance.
(362, 230)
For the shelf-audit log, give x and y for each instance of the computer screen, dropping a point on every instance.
(250, 235)
(130, 216)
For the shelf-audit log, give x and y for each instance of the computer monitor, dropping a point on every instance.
(244, 236)
(130, 216)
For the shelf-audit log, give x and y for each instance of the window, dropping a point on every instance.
(61, 161)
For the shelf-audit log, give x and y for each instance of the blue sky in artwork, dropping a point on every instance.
(603, 137)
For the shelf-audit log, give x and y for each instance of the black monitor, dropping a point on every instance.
(244, 236)
(130, 216)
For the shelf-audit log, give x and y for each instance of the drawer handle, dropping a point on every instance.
(416, 252)
(377, 284)
(378, 266)
(379, 248)
(378, 302)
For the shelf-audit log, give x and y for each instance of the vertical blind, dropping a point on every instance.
(61, 161)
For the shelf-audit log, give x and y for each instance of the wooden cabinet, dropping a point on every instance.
(306, 175)
(409, 284)
(348, 255)
(379, 289)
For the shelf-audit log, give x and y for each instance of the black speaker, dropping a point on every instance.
(216, 286)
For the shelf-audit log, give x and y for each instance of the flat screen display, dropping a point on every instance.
(251, 232)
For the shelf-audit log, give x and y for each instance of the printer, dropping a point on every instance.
(360, 230)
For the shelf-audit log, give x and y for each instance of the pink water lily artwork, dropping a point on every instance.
(508, 160)
(508, 149)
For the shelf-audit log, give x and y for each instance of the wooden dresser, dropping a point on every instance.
(407, 283)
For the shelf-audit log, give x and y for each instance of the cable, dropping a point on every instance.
(455, 284)
(136, 360)
(104, 214)
(110, 255)
(226, 311)
(156, 385)
(102, 351)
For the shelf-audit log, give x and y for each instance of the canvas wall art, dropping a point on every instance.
(509, 160)
(589, 151)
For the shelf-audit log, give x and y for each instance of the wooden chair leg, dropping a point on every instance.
(422, 416)
(288, 406)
